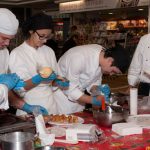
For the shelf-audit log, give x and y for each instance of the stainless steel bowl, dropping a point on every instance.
(112, 114)
(17, 141)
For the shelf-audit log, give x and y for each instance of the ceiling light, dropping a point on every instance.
(110, 13)
(140, 9)
(63, 1)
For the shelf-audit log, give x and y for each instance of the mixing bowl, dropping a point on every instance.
(112, 114)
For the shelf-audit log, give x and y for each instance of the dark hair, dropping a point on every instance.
(37, 22)
(120, 56)
(107, 53)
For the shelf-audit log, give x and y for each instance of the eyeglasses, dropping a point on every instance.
(42, 37)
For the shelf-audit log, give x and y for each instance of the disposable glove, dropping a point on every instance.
(37, 79)
(105, 89)
(31, 108)
(99, 101)
(62, 82)
(20, 85)
(95, 101)
(10, 80)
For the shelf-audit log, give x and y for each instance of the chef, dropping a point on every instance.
(83, 66)
(8, 29)
(139, 70)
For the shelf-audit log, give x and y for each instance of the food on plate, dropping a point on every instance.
(61, 118)
(45, 72)
(46, 118)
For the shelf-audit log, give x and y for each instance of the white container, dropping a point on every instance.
(133, 101)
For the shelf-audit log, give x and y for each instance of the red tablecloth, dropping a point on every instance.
(112, 140)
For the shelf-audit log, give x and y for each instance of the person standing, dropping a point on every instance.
(8, 29)
(140, 66)
(28, 58)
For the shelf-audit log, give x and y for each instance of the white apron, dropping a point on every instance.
(25, 61)
(65, 106)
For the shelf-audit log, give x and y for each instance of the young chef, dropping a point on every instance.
(138, 74)
(27, 59)
(83, 66)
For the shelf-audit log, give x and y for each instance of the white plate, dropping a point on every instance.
(80, 121)
(141, 120)
(58, 131)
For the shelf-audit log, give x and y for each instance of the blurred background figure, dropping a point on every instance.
(72, 31)
(77, 38)
(52, 43)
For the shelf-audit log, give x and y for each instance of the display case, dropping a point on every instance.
(128, 31)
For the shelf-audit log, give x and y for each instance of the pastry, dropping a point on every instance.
(45, 72)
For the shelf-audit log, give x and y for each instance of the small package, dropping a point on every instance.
(127, 129)
(83, 132)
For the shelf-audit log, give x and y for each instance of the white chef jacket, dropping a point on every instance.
(80, 65)
(140, 62)
(26, 61)
(4, 104)
(4, 58)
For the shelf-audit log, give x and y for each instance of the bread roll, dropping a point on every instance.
(45, 72)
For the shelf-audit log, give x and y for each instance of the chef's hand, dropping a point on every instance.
(97, 100)
(105, 89)
(31, 108)
(37, 79)
(19, 85)
(62, 83)
(10, 80)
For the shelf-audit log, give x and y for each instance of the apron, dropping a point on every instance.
(65, 106)
(41, 95)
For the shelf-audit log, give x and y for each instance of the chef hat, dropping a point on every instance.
(8, 22)
(37, 22)
(41, 21)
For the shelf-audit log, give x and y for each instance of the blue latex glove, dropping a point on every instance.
(30, 108)
(96, 102)
(20, 85)
(10, 80)
(37, 79)
(62, 83)
(105, 89)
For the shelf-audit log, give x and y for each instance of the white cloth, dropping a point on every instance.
(9, 23)
(25, 61)
(4, 104)
(80, 65)
(140, 62)
(4, 58)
